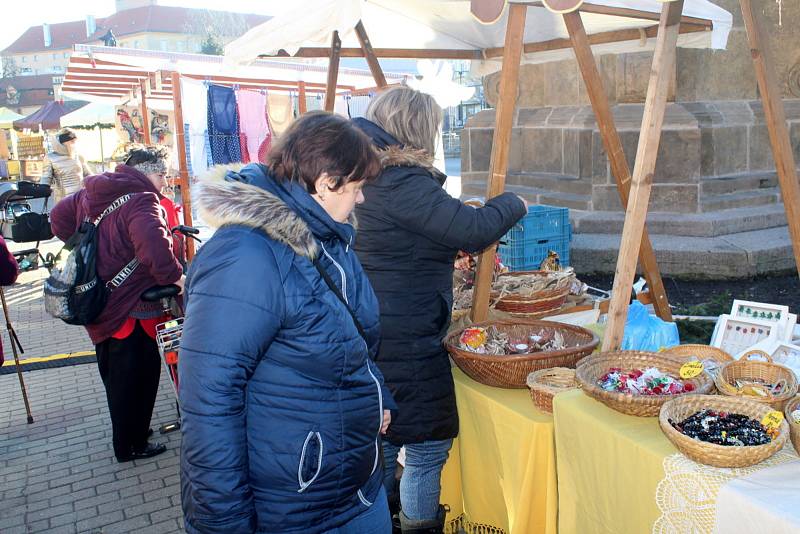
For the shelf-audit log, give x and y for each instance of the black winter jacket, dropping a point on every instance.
(409, 233)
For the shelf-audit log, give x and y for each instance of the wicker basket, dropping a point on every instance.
(794, 427)
(539, 304)
(512, 371)
(546, 383)
(702, 352)
(756, 370)
(709, 453)
(592, 368)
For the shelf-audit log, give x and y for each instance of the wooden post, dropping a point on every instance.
(616, 155)
(333, 71)
(302, 105)
(369, 54)
(183, 166)
(646, 154)
(776, 122)
(145, 112)
(498, 166)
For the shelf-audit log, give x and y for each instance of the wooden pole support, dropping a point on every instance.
(183, 166)
(636, 212)
(302, 105)
(498, 166)
(333, 71)
(776, 121)
(145, 112)
(369, 54)
(616, 155)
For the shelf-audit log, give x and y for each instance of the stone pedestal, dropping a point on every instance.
(715, 186)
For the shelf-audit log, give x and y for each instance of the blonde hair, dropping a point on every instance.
(412, 117)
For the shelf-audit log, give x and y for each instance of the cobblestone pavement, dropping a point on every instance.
(59, 475)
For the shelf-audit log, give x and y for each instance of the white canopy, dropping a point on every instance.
(96, 143)
(448, 25)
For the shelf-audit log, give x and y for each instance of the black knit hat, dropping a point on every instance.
(66, 134)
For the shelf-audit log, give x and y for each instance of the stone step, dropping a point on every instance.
(709, 224)
(533, 195)
(741, 199)
(737, 255)
(557, 183)
(720, 185)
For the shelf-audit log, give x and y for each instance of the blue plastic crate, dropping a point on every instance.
(526, 255)
(541, 222)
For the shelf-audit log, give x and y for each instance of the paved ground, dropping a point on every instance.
(59, 475)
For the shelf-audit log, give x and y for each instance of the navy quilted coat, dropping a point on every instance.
(281, 403)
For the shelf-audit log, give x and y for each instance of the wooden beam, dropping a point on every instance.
(498, 165)
(145, 113)
(333, 71)
(387, 53)
(369, 54)
(594, 39)
(655, 106)
(626, 12)
(775, 116)
(302, 105)
(183, 165)
(616, 154)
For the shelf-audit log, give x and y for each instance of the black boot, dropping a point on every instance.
(430, 526)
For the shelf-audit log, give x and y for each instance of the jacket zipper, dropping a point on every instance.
(341, 272)
(380, 410)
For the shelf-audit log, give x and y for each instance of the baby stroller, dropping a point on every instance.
(21, 224)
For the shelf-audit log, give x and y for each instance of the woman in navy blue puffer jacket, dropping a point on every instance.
(282, 406)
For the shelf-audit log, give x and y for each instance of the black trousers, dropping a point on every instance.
(130, 369)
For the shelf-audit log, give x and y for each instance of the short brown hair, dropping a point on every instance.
(320, 142)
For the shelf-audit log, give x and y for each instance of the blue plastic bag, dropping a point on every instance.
(647, 332)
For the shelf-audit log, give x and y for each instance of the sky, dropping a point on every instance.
(19, 16)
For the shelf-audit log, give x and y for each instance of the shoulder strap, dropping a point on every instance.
(335, 289)
(113, 206)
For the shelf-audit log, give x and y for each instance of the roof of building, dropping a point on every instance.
(21, 83)
(164, 19)
(27, 90)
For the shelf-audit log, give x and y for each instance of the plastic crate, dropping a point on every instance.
(541, 222)
(527, 255)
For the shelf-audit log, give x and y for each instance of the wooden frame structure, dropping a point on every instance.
(633, 186)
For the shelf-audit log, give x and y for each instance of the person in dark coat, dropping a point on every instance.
(124, 332)
(283, 407)
(410, 231)
(9, 270)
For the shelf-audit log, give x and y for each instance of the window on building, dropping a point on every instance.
(66, 54)
(24, 59)
(181, 46)
(136, 44)
(163, 44)
(58, 68)
(55, 56)
(35, 57)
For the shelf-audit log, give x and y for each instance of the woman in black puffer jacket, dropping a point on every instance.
(410, 231)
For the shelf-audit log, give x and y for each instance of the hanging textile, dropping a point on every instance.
(253, 124)
(223, 125)
(195, 117)
(280, 111)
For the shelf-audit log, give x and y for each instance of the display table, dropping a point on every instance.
(501, 473)
(620, 474)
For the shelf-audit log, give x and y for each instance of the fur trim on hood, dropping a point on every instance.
(221, 202)
(397, 156)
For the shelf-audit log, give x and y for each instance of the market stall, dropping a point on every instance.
(95, 125)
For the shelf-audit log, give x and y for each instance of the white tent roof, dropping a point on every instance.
(89, 115)
(448, 25)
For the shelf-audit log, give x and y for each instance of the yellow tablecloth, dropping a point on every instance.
(502, 470)
(609, 465)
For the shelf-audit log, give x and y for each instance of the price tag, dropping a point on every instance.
(691, 369)
(772, 420)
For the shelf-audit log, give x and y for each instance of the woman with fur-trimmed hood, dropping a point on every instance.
(283, 408)
(410, 231)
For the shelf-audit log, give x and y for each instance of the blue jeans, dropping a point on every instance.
(373, 520)
(421, 483)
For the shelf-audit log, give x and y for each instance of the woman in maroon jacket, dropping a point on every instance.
(124, 333)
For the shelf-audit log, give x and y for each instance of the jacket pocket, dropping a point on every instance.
(310, 461)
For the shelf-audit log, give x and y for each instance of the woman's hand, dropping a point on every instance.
(387, 419)
(180, 282)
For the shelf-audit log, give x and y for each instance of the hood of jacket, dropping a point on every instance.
(249, 196)
(103, 189)
(57, 147)
(394, 154)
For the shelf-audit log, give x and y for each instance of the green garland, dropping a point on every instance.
(103, 125)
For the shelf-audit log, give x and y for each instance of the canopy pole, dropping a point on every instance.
(183, 166)
(145, 112)
(775, 116)
(369, 54)
(302, 104)
(655, 106)
(616, 154)
(498, 167)
(333, 71)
